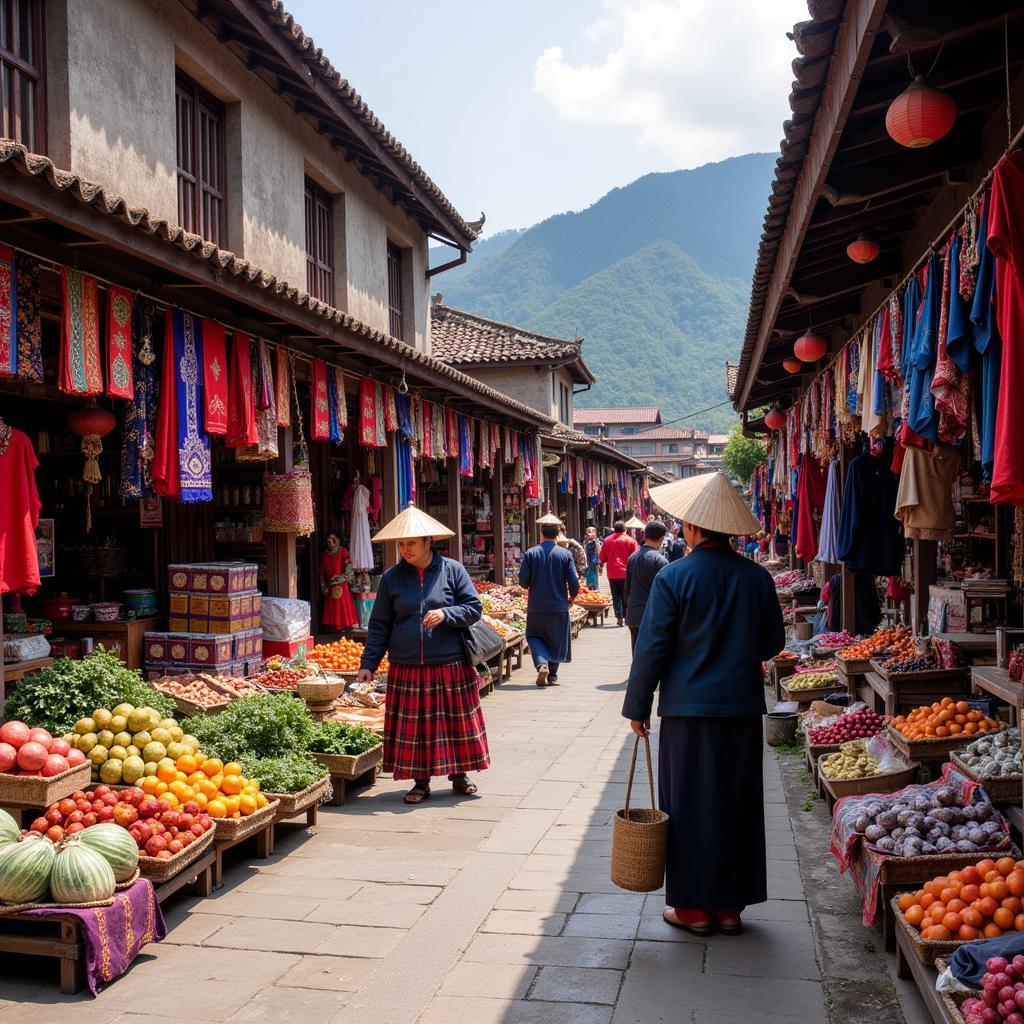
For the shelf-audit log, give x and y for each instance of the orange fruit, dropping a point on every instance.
(232, 803)
(207, 788)
(992, 930)
(968, 933)
(167, 773)
(915, 915)
(149, 784)
(939, 933)
(232, 768)
(187, 763)
(213, 766)
(216, 809)
(246, 804)
(161, 788)
(1003, 918)
(201, 800)
(232, 785)
(1005, 865)
(971, 917)
(262, 801)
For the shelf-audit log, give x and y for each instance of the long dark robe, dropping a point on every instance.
(711, 786)
(549, 636)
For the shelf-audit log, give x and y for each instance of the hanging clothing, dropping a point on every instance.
(242, 429)
(80, 370)
(869, 539)
(19, 512)
(951, 385)
(1006, 240)
(334, 431)
(30, 327)
(810, 501)
(215, 378)
(166, 475)
(138, 437)
(921, 417)
(987, 342)
(320, 406)
(194, 471)
(8, 313)
(359, 538)
(829, 533)
(338, 610)
(119, 343)
(924, 500)
(283, 398)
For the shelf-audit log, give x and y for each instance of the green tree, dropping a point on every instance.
(743, 454)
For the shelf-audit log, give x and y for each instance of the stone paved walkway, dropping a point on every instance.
(495, 909)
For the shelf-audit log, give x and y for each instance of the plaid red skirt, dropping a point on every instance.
(433, 723)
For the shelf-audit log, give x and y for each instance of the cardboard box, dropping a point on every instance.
(211, 577)
(288, 648)
(221, 613)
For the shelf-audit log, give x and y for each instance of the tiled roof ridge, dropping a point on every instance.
(442, 311)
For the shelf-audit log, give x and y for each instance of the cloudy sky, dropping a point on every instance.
(531, 108)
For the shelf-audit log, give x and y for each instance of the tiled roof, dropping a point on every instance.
(16, 158)
(630, 414)
(466, 339)
(560, 434)
(662, 434)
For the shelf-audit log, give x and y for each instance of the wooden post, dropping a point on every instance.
(389, 473)
(925, 574)
(454, 509)
(498, 519)
(282, 575)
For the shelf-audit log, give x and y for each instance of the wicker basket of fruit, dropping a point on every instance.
(161, 869)
(232, 830)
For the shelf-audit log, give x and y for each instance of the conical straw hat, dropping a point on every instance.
(411, 522)
(549, 520)
(633, 523)
(708, 501)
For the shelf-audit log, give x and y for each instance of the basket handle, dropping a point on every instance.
(632, 770)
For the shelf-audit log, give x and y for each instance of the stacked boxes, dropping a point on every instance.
(214, 622)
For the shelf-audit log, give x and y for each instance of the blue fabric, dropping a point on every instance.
(549, 573)
(396, 623)
(911, 300)
(880, 391)
(592, 581)
(465, 447)
(960, 331)
(987, 344)
(332, 408)
(922, 416)
(828, 536)
(139, 433)
(550, 640)
(406, 472)
(641, 568)
(711, 620)
(193, 441)
(869, 536)
(592, 548)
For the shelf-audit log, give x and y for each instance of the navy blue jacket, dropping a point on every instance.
(396, 623)
(711, 620)
(642, 567)
(549, 573)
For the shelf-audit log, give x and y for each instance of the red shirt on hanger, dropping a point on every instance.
(19, 513)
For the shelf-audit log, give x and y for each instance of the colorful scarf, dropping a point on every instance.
(406, 472)
(379, 416)
(465, 447)
(440, 437)
(193, 442)
(8, 314)
(80, 369)
(119, 343)
(451, 434)
(342, 411)
(266, 414)
(950, 385)
(371, 415)
(166, 477)
(390, 410)
(241, 428)
(30, 326)
(319, 412)
(138, 439)
(284, 401)
(335, 432)
(215, 378)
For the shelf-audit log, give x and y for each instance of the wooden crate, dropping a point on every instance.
(349, 771)
(890, 782)
(57, 936)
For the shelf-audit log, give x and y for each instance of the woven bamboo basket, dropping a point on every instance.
(319, 690)
(807, 696)
(924, 949)
(887, 783)
(639, 838)
(350, 766)
(915, 871)
(927, 750)
(33, 791)
(157, 870)
(291, 804)
(1004, 789)
(232, 830)
(952, 1001)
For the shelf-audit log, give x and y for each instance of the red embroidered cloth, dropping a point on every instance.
(166, 469)
(215, 378)
(320, 407)
(19, 513)
(242, 427)
(120, 383)
(284, 400)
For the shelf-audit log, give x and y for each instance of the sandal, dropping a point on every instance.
(692, 923)
(729, 922)
(462, 785)
(417, 794)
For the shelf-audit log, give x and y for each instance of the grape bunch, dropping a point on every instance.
(919, 663)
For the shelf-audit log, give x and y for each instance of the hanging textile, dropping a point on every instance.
(371, 415)
(451, 433)
(30, 327)
(8, 313)
(335, 432)
(829, 533)
(19, 512)
(921, 416)
(465, 447)
(869, 537)
(406, 472)
(987, 342)
(319, 413)
(241, 425)
(166, 475)
(390, 411)
(811, 491)
(440, 438)
(193, 443)
(215, 378)
(282, 401)
(924, 500)
(951, 385)
(427, 435)
(138, 439)
(378, 415)
(339, 383)
(119, 342)
(80, 369)
(266, 411)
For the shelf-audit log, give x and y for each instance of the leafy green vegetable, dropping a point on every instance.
(268, 725)
(339, 738)
(56, 697)
(289, 773)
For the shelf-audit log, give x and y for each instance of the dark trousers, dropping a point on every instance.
(633, 631)
(618, 589)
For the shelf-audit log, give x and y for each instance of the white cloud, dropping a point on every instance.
(696, 80)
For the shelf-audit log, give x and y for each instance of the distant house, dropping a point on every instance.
(614, 423)
(716, 451)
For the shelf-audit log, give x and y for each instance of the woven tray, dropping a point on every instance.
(915, 871)
(928, 750)
(853, 666)
(924, 949)
(157, 870)
(33, 791)
(1004, 789)
(350, 766)
(233, 830)
(806, 696)
(291, 804)
(952, 1001)
(888, 783)
(932, 675)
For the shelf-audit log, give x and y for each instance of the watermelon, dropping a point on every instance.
(9, 831)
(116, 846)
(80, 874)
(25, 869)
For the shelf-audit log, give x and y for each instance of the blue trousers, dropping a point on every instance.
(592, 580)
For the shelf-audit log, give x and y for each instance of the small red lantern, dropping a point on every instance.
(809, 348)
(775, 420)
(920, 115)
(92, 423)
(863, 250)
(792, 364)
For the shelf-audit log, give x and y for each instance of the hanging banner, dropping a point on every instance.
(81, 372)
(120, 382)
(215, 378)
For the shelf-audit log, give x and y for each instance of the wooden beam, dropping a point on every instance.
(851, 52)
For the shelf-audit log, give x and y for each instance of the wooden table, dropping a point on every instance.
(58, 936)
(197, 877)
(513, 652)
(14, 670)
(127, 632)
(898, 692)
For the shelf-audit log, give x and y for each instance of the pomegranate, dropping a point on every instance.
(61, 747)
(8, 757)
(75, 757)
(42, 736)
(32, 756)
(15, 733)
(55, 765)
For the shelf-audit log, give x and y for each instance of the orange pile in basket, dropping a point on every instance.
(942, 719)
(342, 656)
(978, 902)
(898, 640)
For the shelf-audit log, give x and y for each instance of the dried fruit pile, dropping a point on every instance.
(281, 678)
(195, 689)
(943, 719)
(810, 680)
(910, 663)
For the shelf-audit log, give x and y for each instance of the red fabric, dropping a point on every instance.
(319, 415)
(243, 430)
(19, 515)
(215, 378)
(451, 434)
(339, 610)
(884, 363)
(950, 385)
(283, 401)
(433, 724)
(119, 343)
(166, 466)
(1006, 240)
(8, 313)
(615, 552)
(810, 501)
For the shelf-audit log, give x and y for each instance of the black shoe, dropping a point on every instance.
(553, 681)
(618, 622)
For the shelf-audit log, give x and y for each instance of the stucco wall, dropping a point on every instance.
(529, 385)
(111, 119)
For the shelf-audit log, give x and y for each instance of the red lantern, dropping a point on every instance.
(91, 423)
(920, 115)
(809, 348)
(775, 420)
(792, 364)
(863, 250)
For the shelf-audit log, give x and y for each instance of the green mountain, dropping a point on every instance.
(655, 276)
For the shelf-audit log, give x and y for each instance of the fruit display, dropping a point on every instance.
(810, 680)
(981, 901)
(861, 724)
(342, 656)
(25, 751)
(505, 602)
(943, 719)
(1002, 992)
(851, 761)
(911, 663)
(127, 743)
(282, 678)
(834, 640)
(913, 823)
(503, 629)
(787, 579)
(196, 689)
(899, 641)
(592, 599)
(994, 757)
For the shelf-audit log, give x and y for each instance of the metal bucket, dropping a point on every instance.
(780, 727)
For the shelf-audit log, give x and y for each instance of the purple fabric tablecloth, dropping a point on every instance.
(114, 935)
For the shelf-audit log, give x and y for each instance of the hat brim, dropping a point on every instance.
(708, 502)
(410, 523)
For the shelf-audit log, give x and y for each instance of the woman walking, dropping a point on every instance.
(711, 620)
(433, 724)
(338, 609)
